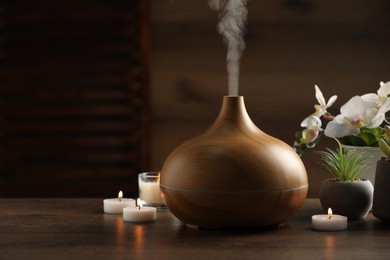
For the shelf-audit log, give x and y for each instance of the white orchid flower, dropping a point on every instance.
(311, 121)
(353, 117)
(373, 100)
(322, 104)
(379, 117)
(313, 125)
(377, 104)
(358, 114)
(384, 91)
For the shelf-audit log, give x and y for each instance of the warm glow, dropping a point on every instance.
(329, 247)
(139, 204)
(330, 212)
(138, 241)
(120, 195)
(120, 232)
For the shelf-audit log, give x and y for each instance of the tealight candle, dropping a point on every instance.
(139, 213)
(329, 222)
(115, 206)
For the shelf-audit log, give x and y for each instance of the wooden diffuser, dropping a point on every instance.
(233, 175)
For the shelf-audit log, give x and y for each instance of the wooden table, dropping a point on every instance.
(78, 229)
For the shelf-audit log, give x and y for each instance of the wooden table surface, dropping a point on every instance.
(78, 228)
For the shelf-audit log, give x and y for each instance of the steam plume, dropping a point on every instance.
(231, 26)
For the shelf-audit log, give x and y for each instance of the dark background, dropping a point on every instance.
(93, 92)
(74, 97)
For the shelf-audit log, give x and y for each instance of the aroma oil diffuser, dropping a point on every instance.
(233, 175)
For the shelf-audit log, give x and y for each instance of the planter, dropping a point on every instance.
(233, 175)
(372, 154)
(381, 205)
(351, 199)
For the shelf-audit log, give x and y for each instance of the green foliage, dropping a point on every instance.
(384, 144)
(384, 147)
(344, 166)
(367, 137)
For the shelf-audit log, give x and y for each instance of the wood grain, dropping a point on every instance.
(233, 162)
(78, 228)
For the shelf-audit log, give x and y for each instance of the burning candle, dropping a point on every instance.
(139, 213)
(329, 222)
(115, 206)
(149, 189)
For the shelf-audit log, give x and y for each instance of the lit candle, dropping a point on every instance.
(139, 213)
(149, 189)
(115, 206)
(329, 222)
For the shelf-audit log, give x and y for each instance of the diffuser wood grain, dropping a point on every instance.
(233, 175)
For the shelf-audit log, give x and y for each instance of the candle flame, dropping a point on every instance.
(120, 195)
(139, 203)
(330, 212)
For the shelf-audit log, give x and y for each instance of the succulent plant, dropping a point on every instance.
(344, 165)
(384, 144)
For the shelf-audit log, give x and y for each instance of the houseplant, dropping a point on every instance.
(381, 204)
(360, 124)
(346, 193)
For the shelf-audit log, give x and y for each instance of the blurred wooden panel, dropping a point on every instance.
(74, 110)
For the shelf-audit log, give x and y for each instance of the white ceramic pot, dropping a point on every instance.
(373, 155)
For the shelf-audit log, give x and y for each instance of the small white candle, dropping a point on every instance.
(149, 188)
(139, 214)
(329, 222)
(115, 206)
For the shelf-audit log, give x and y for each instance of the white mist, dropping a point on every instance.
(233, 17)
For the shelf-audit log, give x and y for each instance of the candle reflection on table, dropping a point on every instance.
(329, 247)
(120, 231)
(138, 241)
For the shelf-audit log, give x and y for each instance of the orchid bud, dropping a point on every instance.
(384, 147)
(385, 144)
(387, 132)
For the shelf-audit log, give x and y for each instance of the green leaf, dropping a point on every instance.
(378, 132)
(353, 140)
(375, 135)
(384, 147)
(367, 137)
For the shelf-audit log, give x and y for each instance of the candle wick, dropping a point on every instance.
(120, 199)
(330, 216)
(139, 207)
